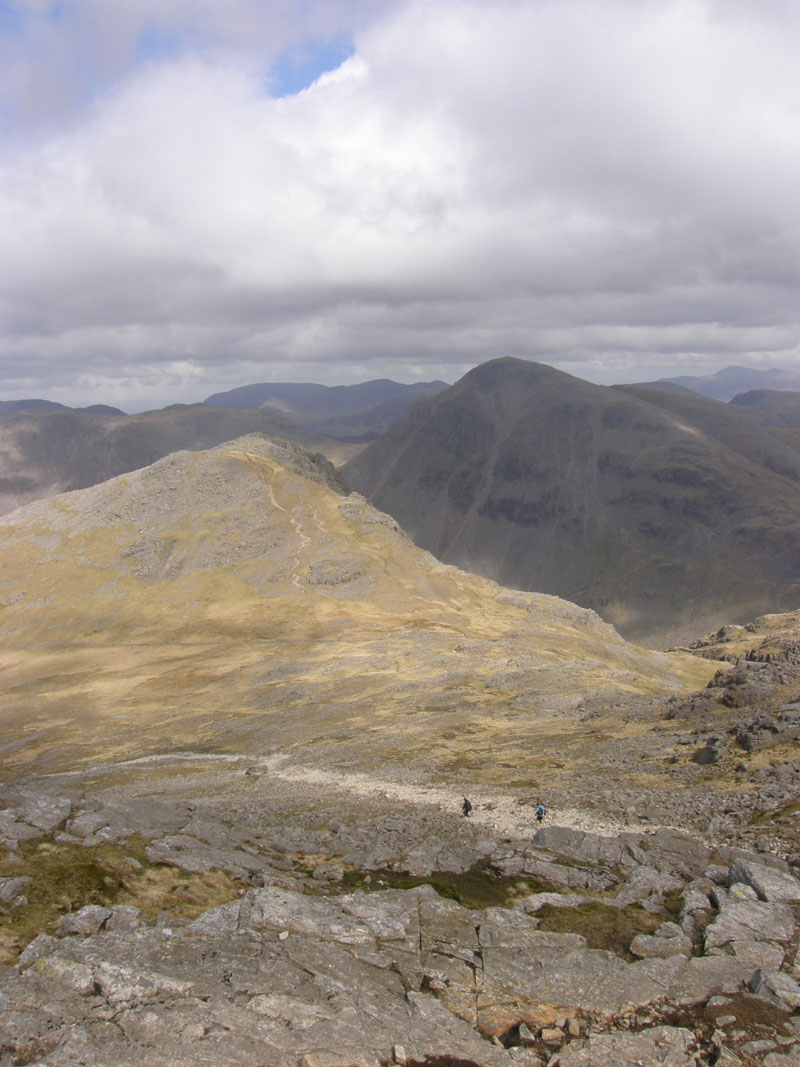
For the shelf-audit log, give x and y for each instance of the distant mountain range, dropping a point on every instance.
(10, 407)
(344, 411)
(726, 383)
(771, 407)
(44, 451)
(665, 511)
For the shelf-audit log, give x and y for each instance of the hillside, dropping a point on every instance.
(770, 407)
(45, 452)
(233, 597)
(666, 513)
(344, 411)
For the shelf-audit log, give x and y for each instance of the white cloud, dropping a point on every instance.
(607, 185)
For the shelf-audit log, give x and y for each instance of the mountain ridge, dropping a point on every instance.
(635, 507)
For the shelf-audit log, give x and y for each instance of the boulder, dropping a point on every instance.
(84, 922)
(750, 920)
(44, 812)
(646, 883)
(778, 986)
(769, 884)
(10, 888)
(668, 940)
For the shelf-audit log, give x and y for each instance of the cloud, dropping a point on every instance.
(606, 186)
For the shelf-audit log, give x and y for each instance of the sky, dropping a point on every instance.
(196, 195)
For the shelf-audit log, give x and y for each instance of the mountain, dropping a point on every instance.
(45, 452)
(10, 407)
(235, 597)
(663, 512)
(240, 714)
(771, 407)
(729, 381)
(343, 411)
(731, 426)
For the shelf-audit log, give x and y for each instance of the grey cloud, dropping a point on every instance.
(605, 186)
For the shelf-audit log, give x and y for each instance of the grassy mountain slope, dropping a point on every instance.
(665, 516)
(234, 600)
(771, 407)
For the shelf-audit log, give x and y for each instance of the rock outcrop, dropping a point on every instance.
(665, 957)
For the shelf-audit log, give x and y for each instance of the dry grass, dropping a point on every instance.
(67, 877)
(603, 927)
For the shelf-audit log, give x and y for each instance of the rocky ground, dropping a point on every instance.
(202, 909)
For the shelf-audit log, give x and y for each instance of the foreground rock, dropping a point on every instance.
(282, 977)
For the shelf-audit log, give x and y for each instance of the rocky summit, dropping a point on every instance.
(241, 712)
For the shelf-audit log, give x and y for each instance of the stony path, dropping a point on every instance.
(501, 812)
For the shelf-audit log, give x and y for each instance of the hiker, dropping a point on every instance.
(541, 811)
(466, 807)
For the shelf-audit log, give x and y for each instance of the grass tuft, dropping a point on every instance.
(603, 927)
(66, 877)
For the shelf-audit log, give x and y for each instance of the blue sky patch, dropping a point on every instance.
(300, 67)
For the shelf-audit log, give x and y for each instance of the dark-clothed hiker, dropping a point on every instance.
(466, 807)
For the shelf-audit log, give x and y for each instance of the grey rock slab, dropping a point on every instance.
(430, 1017)
(222, 921)
(778, 986)
(645, 883)
(702, 977)
(85, 823)
(123, 985)
(665, 1046)
(675, 853)
(750, 920)
(71, 974)
(506, 928)
(769, 884)
(41, 946)
(123, 917)
(13, 831)
(653, 947)
(10, 888)
(596, 881)
(84, 922)
(694, 901)
(535, 901)
(569, 979)
(37, 809)
(764, 954)
(189, 854)
(291, 1011)
(273, 910)
(583, 847)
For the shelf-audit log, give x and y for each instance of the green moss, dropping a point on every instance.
(476, 888)
(603, 927)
